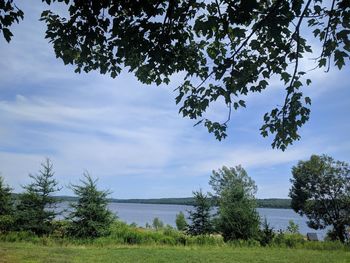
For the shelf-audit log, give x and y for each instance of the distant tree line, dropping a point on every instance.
(261, 203)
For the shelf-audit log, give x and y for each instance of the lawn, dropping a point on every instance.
(27, 252)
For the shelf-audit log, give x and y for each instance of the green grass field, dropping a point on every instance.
(27, 252)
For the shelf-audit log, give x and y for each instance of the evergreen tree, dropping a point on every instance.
(36, 208)
(6, 207)
(234, 192)
(90, 216)
(200, 217)
(180, 221)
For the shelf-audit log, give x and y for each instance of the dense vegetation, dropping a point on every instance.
(121, 233)
(234, 223)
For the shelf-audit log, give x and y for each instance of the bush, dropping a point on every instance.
(292, 227)
(6, 223)
(288, 240)
(266, 234)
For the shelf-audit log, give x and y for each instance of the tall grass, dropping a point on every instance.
(123, 234)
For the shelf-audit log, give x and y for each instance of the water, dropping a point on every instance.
(145, 213)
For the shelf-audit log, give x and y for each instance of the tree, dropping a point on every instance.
(321, 191)
(235, 192)
(180, 221)
(157, 223)
(226, 49)
(36, 208)
(292, 227)
(6, 207)
(90, 216)
(200, 217)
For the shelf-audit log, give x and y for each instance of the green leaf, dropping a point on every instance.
(7, 34)
(307, 100)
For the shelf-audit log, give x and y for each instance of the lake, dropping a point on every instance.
(145, 213)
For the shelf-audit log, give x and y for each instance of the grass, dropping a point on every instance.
(29, 252)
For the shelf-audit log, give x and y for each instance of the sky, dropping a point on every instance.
(131, 137)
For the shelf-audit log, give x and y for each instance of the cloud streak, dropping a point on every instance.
(131, 136)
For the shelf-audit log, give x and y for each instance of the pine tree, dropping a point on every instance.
(90, 216)
(200, 216)
(36, 208)
(6, 207)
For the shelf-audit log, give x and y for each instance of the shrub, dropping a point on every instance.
(6, 223)
(293, 228)
(266, 234)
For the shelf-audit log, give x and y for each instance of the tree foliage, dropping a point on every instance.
(321, 191)
(6, 207)
(157, 223)
(225, 49)
(200, 222)
(180, 221)
(9, 14)
(266, 233)
(90, 216)
(6, 203)
(35, 210)
(235, 192)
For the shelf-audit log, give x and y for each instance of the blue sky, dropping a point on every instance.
(131, 136)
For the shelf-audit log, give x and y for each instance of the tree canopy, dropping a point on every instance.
(225, 49)
(235, 192)
(321, 191)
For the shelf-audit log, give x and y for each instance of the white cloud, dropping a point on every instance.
(126, 132)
